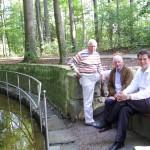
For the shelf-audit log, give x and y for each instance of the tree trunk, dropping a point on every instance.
(60, 32)
(118, 24)
(110, 29)
(46, 22)
(83, 26)
(131, 23)
(96, 21)
(3, 36)
(72, 26)
(30, 46)
(39, 26)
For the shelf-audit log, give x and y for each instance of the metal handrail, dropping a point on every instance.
(37, 106)
(30, 77)
(23, 92)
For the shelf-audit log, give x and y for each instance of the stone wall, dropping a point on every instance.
(53, 79)
(75, 97)
(62, 87)
(140, 124)
(64, 91)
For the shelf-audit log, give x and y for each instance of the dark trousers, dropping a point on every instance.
(122, 111)
(109, 104)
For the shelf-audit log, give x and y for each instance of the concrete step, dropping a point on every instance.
(55, 123)
(141, 148)
(60, 137)
(65, 147)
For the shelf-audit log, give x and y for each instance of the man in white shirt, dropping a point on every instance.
(135, 99)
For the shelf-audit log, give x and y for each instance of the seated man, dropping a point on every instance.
(120, 77)
(135, 99)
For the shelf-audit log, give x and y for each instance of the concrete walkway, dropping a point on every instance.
(64, 135)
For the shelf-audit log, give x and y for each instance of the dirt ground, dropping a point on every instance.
(55, 60)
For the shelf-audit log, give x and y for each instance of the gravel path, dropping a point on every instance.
(89, 138)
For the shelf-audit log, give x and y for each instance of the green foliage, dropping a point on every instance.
(133, 21)
(131, 25)
(14, 28)
(51, 49)
(145, 9)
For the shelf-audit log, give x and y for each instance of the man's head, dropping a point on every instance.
(92, 46)
(118, 62)
(144, 59)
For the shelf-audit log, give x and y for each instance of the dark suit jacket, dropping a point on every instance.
(126, 78)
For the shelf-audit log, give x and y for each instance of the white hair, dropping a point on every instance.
(92, 41)
(116, 57)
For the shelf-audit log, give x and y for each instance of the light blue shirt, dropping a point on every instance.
(118, 85)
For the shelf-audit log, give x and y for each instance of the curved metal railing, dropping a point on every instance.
(29, 86)
(4, 78)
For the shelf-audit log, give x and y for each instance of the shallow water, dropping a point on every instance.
(17, 130)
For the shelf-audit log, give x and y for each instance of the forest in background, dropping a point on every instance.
(38, 28)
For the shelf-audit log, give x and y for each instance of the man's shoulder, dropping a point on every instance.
(126, 68)
(84, 51)
(113, 70)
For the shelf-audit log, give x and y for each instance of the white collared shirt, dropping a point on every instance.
(141, 84)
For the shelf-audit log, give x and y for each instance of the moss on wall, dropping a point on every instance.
(52, 77)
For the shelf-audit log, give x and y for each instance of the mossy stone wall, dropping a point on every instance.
(53, 79)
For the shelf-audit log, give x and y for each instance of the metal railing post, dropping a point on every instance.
(7, 82)
(18, 80)
(39, 104)
(46, 125)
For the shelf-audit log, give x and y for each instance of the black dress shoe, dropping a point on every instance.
(117, 145)
(99, 124)
(105, 128)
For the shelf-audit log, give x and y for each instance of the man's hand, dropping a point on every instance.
(116, 96)
(122, 96)
(102, 78)
(105, 67)
(78, 74)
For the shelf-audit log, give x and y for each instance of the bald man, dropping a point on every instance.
(120, 77)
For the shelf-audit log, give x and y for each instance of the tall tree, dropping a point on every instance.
(131, 23)
(110, 28)
(60, 32)
(46, 22)
(3, 36)
(30, 46)
(39, 26)
(72, 26)
(118, 24)
(96, 21)
(83, 26)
